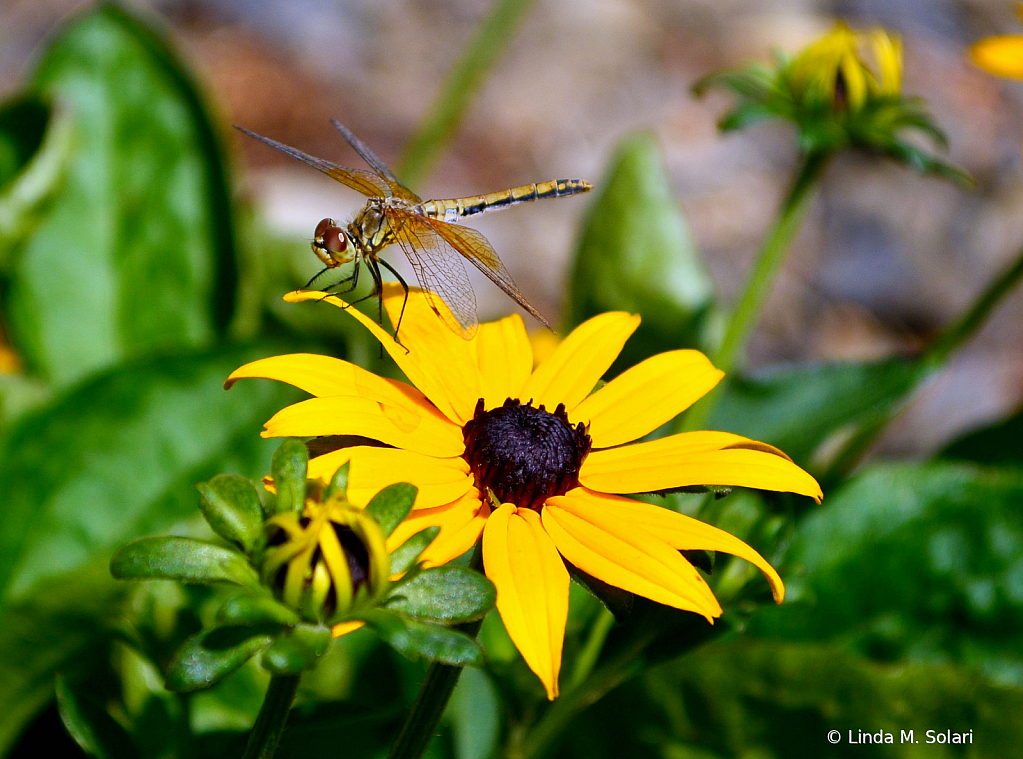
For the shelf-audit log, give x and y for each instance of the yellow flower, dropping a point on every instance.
(1001, 56)
(835, 68)
(533, 460)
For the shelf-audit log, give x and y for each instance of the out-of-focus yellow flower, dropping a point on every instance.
(835, 69)
(531, 460)
(1002, 55)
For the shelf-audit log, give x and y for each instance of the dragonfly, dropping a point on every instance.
(423, 229)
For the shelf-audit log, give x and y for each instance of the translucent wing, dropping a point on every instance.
(366, 182)
(360, 147)
(475, 247)
(439, 269)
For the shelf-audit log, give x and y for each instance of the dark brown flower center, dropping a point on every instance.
(524, 454)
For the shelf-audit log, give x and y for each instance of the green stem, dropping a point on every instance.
(933, 359)
(440, 682)
(760, 280)
(465, 79)
(591, 651)
(266, 733)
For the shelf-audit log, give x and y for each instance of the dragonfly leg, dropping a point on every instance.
(352, 281)
(316, 276)
(404, 286)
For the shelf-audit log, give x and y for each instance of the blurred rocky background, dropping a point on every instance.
(886, 257)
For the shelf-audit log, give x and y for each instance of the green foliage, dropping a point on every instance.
(288, 469)
(405, 555)
(231, 507)
(416, 639)
(448, 595)
(182, 559)
(636, 254)
(391, 505)
(210, 656)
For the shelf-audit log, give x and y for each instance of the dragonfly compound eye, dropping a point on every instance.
(335, 242)
(322, 227)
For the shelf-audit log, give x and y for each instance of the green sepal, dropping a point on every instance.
(207, 657)
(255, 610)
(448, 595)
(405, 555)
(416, 640)
(297, 650)
(288, 469)
(231, 506)
(90, 725)
(184, 559)
(338, 483)
(391, 505)
(617, 601)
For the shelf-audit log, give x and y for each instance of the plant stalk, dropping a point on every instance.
(273, 714)
(759, 282)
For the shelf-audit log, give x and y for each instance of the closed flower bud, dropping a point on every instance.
(328, 562)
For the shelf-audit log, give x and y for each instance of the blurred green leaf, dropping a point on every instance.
(91, 725)
(423, 640)
(136, 252)
(117, 458)
(255, 610)
(450, 595)
(636, 254)
(800, 409)
(48, 631)
(297, 650)
(184, 559)
(391, 505)
(912, 562)
(231, 507)
(288, 469)
(998, 445)
(338, 483)
(405, 555)
(22, 126)
(474, 713)
(206, 658)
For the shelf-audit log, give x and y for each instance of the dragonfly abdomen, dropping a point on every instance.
(456, 208)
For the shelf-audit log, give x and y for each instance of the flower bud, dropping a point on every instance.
(328, 562)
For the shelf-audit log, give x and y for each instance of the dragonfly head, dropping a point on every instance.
(331, 244)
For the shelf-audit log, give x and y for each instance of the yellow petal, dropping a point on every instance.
(888, 53)
(437, 361)
(580, 360)
(461, 524)
(681, 532)
(595, 540)
(343, 628)
(642, 398)
(505, 359)
(694, 458)
(422, 430)
(373, 468)
(1001, 56)
(532, 588)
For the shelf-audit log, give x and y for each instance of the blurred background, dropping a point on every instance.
(885, 258)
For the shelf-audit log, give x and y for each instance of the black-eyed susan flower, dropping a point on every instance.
(843, 90)
(534, 461)
(1001, 55)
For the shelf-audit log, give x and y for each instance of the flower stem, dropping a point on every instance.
(933, 359)
(465, 79)
(266, 733)
(591, 650)
(759, 281)
(434, 694)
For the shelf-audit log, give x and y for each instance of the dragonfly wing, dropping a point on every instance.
(439, 269)
(366, 182)
(360, 147)
(475, 247)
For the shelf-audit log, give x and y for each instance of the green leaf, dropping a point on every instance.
(912, 562)
(338, 483)
(288, 469)
(423, 640)
(799, 410)
(136, 252)
(231, 506)
(297, 650)
(474, 713)
(184, 559)
(22, 126)
(448, 595)
(391, 505)
(255, 610)
(54, 629)
(997, 445)
(206, 658)
(405, 555)
(636, 254)
(91, 726)
(117, 458)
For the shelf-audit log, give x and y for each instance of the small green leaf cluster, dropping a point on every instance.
(836, 101)
(308, 565)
